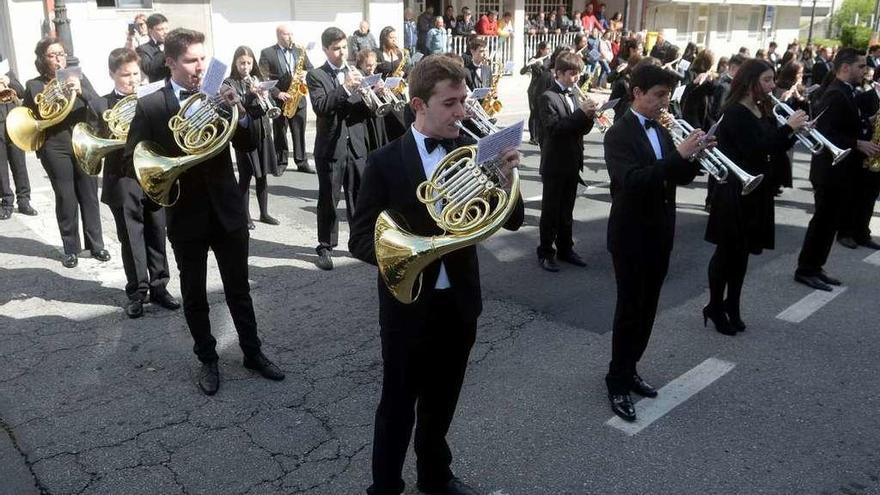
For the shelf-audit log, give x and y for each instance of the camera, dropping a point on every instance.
(131, 28)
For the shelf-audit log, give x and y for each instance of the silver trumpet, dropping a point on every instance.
(478, 116)
(812, 139)
(376, 105)
(601, 121)
(712, 160)
(268, 106)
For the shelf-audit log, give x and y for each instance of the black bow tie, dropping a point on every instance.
(651, 123)
(185, 93)
(432, 143)
(566, 91)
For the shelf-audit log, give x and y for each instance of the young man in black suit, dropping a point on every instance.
(11, 156)
(842, 125)
(151, 52)
(425, 345)
(645, 168)
(208, 215)
(479, 69)
(141, 230)
(536, 69)
(279, 62)
(564, 122)
(340, 142)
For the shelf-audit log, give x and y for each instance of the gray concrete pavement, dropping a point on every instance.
(100, 404)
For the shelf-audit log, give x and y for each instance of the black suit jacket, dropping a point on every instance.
(842, 125)
(209, 192)
(391, 177)
(477, 76)
(820, 69)
(84, 110)
(19, 91)
(562, 135)
(642, 218)
(117, 175)
(153, 61)
(274, 66)
(339, 116)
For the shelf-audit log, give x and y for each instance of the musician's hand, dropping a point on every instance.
(229, 95)
(283, 96)
(798, 120)
(509, 161)
(4, 80)
(75, 84)
(701, 78)
(589, 107)
(693, 144)
(868, 148)
(353, 80)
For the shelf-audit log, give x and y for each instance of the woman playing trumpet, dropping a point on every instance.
(740, 225)
(75, 191)
(255, 156)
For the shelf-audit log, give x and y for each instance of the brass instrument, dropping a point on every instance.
(812, 139)
(491, 103)
(478, 116)
(377, 105)
(712, 160)
(872, 163)
(89, 148)
(602, 121)
(54, 104)
(268, 106)
(8, 95)
(297, 88)
(398, 95)
(202, 128)
(464, 199)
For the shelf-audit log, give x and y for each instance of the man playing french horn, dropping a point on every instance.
(209, 212)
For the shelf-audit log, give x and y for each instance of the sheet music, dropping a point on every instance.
(370, 81)
(812, 88)
(267, 85)
(150, 88)
(4, 66)
(608, 104)
(68, 73)
(213, 77)
(676, 95)
(491, 146)
(683, 65)
(310, 46)
(392, 82)
(712, 130)
(479, 93)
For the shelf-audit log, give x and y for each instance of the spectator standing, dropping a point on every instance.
(410, 31)
(362, 39)
(424, 24)
(465, 24)
(589, 20)
(436, 39)
(488, 24)
(449, 17)
(137, 32)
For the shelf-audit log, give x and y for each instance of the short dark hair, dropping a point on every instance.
(155, 19)
(431, 70)
(569, 61)
(647, 75)
(845, 56)
(476, 44)
(40, 51)
(737, 60)
(331, 35)
(178, 40)
(121, 56)
(873, 48)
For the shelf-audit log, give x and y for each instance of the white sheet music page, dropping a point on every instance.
(150, 88)
(267, 85)
(392, 82)
(370, 81)
(608, 104)
(68, 73)
(491, 146)
(676, 95)
(480, 93)
(213, 77)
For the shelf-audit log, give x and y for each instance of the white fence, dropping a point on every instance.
(553, 40)
(458, 44)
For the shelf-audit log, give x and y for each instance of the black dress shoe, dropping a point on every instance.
(134, 308)
(828, 279)
(27, 209)
(622, 406)
(847, 242)
(101, 255)
(869, 243)
(269, 220)
(69, 261)
(572, 258)
(324, 261)
(305, 167)
(251, 225)
(5, 212)
(549, 263)
(719, 319)
(812, 281)
(209, 378)
(263, 366)
(164, 299)
(642, 387)
(452, 487)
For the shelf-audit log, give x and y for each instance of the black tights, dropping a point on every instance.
(727, 269)
(244, 182)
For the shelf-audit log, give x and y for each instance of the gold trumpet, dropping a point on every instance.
(8, 95)
(54, 104)
(90, 149)
(201, 136)
(464, 199)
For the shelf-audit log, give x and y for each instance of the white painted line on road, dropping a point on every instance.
(533, 198)
(811, 303)
(873, 259)
(673, 394)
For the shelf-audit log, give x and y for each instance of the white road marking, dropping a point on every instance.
(674, 393)
(811, 303)
(873, 259)
(533, 198)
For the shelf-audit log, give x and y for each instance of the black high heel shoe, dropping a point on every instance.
(719, 319)
(734, 317)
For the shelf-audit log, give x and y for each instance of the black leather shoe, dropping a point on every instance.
(251, 225)
(847, 242)
(101, 255)
(549, 264)
(27, 209)
(134, 308)
(69, 261)
(269, 220)
(869, 243)
(324, 261)
(209, 378)
(452, 487)
(305, 167)
(812, 281)
(828, 279)
(5, 212)
(719, 320)
(263, 366)
(642, 387)
(572, 258)
(622, 406)
(164, 299)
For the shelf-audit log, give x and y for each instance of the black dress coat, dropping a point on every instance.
(153, 61)
(274, 66)
(340, 117)
(562, 131)
(85, 109)
(258, 153)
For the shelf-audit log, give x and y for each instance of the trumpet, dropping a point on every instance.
(54, 104)
(8, 95)
(712, 160)
(602, 121)
(272, 111)
(812, 139)
(90, 149)
(376, 104)
(476, 113)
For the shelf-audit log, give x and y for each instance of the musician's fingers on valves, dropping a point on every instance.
(798, 120)
(693, 144)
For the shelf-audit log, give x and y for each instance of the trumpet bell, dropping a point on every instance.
(90, 149)
(273, 113)
(24, 129)
(751, 184)
(837, 153)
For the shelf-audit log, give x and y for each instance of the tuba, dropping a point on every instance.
(297, 88)
(54, 104)
(465, 201)
(90, 149)
(201, 131)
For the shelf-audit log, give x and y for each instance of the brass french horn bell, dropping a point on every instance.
(90, 149)
(28, 131)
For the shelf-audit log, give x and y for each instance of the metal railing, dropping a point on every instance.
(553, 40)
(458, 44)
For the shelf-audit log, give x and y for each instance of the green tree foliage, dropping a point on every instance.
(848, 10)
(856, 37)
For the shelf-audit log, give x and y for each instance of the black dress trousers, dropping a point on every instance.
(12, 157)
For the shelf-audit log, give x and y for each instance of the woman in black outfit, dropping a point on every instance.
(741, 225)
(620, 86)
(255, 158)
(789, 90)
(696, 100)
(75, 191)
(389, 57)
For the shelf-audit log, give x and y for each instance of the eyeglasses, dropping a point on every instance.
(56, 55)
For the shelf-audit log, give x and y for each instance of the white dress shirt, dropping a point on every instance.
(653, 137)
(569, 98)
(429, 163)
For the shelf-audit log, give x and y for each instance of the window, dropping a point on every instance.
(484, 6)
(126, 4)
(682, 24)
(545, 6)
(722, 23)
(756, 19)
